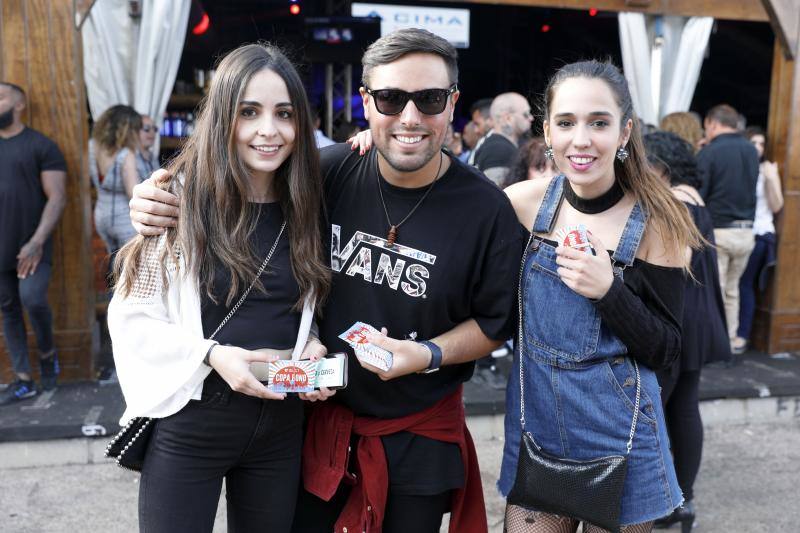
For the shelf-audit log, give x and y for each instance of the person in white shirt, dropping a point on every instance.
(185, 326)
(769, 200)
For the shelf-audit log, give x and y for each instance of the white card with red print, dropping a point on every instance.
(574, 237)
(303, 376)
(356, 336)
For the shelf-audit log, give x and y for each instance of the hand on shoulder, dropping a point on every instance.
(153, 209)
(526, 197)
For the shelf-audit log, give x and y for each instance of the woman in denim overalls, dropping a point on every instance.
(587, 316)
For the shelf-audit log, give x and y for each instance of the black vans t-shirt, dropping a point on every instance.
(456, 258)
(23, 158)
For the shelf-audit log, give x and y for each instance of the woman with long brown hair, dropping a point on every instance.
(601, 287)
(185, 324)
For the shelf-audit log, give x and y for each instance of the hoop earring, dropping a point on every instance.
(549, 153)
(622, 154)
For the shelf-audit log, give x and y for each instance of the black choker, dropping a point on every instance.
(592, 206)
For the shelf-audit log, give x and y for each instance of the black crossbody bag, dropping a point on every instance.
(129, 446)
(585, 490)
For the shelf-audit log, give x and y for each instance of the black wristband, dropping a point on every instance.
(206, 359)
(436, 356)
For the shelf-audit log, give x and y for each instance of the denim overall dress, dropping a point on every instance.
(580, 387)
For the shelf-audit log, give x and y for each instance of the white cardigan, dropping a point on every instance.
(157, 338)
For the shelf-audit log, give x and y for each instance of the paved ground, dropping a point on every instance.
(748, 484)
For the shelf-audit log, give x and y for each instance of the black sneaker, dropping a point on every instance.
(49, 371)
(19, 390)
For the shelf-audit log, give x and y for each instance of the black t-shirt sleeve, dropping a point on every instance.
(704, 169)
(495, 290)
(51, 157)
(645, 313)
(337, 162)
(495, 154)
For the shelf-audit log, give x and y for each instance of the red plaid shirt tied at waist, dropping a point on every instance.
(325, 458)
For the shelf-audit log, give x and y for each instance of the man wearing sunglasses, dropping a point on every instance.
(427, 248)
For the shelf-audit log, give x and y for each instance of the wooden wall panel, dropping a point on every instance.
(40, 50)
(778, 325)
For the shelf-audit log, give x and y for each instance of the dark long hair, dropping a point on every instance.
(216, 219)
(675, 155)
(669, 216)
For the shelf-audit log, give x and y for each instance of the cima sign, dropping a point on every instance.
(450, 24)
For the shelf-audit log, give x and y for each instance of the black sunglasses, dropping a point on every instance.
(393, 101)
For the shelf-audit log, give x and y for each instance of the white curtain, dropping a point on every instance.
(661, 58)
(108, 50)
(635, 44)
(133, 61)
(161, 36)
(686, 66)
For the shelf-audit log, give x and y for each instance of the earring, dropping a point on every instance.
(622, 154)
(549, 153)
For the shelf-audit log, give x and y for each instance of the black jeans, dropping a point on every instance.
(404, 513)
(30, 293)
(253, 444)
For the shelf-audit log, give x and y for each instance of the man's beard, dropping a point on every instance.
(6, 118)
(408, 163)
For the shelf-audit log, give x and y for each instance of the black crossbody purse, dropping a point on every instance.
(129, 446)
(585, 490)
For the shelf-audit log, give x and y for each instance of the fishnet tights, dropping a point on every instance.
(521, 520)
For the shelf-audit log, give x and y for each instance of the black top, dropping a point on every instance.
(495, 151)
(643, 310)
(455, 258)
(705, 334)
(263, 320)
(23, 158)
(729, 171)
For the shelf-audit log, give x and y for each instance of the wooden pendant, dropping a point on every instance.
(392, 235)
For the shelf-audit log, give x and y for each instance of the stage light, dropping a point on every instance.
(202, 26)
(294, 9)
(545, 28)
(592, 12)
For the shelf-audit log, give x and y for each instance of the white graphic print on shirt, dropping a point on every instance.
(361, 263)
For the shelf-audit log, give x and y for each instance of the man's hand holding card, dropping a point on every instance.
(387, 357)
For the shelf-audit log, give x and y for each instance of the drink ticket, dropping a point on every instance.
(355, 336)
(574, 237)
(303, 376)
(292, 376)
